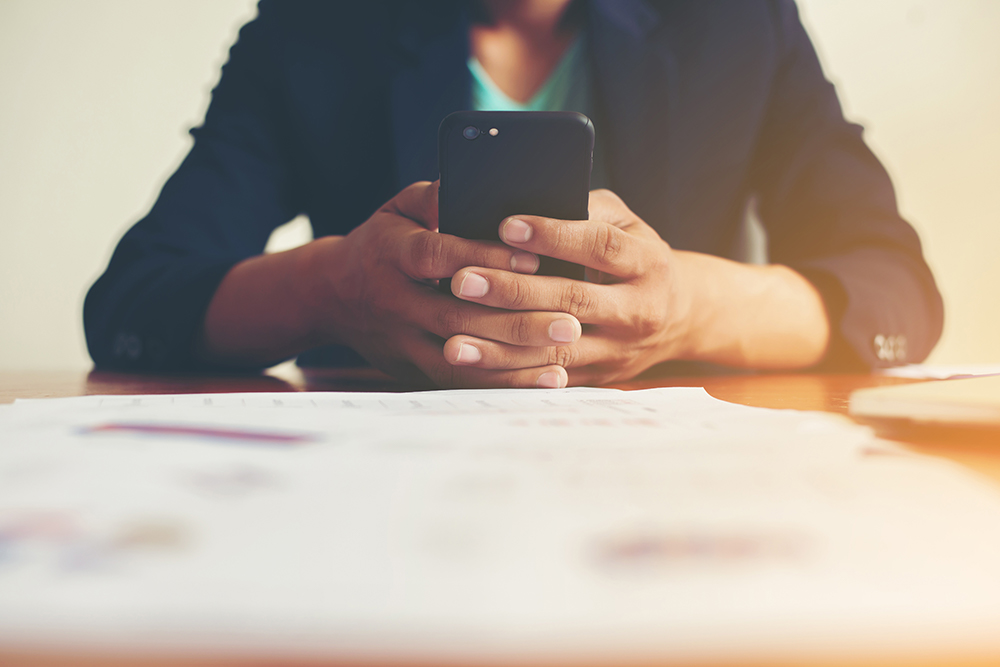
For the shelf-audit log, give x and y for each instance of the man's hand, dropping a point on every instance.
(633, 307)
(381, 297)
(643, 303)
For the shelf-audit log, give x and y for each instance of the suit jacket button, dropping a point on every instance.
(900, 348)
(882, 348)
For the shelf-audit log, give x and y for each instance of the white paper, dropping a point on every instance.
(941, 371)
(483, 524)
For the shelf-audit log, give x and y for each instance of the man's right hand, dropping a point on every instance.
(378, 295)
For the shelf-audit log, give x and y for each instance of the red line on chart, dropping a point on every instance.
(212, 432)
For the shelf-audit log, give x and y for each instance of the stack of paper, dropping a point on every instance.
(970, 402)
(489, 525)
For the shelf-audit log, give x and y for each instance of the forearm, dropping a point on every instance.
(751, 316)
(268, 308)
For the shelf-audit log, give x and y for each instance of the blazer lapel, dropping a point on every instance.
(430, 82)
(636, 83)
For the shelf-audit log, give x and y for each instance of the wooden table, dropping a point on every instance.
(823, 392)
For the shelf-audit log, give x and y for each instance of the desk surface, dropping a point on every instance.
(823, 392)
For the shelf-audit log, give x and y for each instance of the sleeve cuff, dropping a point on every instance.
(881, 314)
(158, 330)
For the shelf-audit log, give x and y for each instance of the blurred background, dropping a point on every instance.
(96, 99)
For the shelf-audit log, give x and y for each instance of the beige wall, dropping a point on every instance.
(96, 98)
(924, 78)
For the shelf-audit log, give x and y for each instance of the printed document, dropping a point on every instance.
(587, 524)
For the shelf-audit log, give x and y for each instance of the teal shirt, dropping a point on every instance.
(568, 88)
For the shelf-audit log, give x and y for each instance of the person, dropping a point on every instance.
(700, 107)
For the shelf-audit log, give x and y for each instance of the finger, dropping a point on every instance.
(445, 316)
(607, 206)
(427, 355)
(418, 202)
(587, 302)
(430, 255)
(593, 243)
(471, 351)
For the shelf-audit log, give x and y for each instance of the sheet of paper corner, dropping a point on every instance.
(940, 371)
(646, 415)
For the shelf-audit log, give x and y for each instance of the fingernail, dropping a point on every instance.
(524, 262)
(549, 380)
(516, 231)
(473, 285)
(468, 354)
(562, 331)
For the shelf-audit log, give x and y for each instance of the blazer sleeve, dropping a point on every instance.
(830, 212)
(218, 208)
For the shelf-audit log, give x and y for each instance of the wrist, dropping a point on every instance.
(748, 315)
(319, 290)
(684, 313)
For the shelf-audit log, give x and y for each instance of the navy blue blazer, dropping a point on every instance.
(329, 109)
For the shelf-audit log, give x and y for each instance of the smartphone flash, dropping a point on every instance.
(494, 131)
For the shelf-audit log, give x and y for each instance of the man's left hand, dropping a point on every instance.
(633, 307)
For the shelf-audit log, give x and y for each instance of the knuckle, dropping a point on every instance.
(653, 261)
(656, 268)
(427, 254)
(451, 320)
(576, 299)
(558, 238)
(648, 322)
(516, 294)
(519, 330)
(661, 266)
(607, 245)
(563, 355)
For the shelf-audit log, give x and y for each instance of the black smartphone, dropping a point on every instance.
(495, 164)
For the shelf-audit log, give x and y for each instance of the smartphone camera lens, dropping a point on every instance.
(470, 132)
